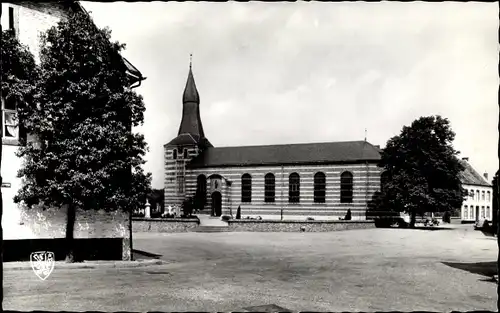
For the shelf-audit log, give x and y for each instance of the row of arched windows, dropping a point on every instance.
(469, 212)
(346, 188)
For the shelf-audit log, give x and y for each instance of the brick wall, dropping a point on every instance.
(175, 189)
(298, 226)
(177, 225)
(366, 182)
(50, 223)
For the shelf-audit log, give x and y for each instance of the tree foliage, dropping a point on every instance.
(423, 169)
(85, 153)
(19, 70)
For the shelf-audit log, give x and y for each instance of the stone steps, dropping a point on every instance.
(210, 229)
(206, 220)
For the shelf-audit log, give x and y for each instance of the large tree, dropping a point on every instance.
(85, 154)
(423, 169)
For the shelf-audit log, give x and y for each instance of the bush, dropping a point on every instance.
(447, 217)
(348, 215)
(238, 213)
(167, 215)
(309, 218)
(225, 217)
(187, 207)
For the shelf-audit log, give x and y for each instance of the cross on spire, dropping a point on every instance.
(190, 60)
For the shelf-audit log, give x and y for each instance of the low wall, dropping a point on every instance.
(296, 226)
(95, 232)
(164, 225)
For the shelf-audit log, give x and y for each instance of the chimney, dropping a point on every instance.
(485, 176)
(466, 159)
(377, 146)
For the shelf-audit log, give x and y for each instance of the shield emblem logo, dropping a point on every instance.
(42, 263)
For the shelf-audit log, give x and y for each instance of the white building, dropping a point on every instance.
(28, 20)
(479, 203)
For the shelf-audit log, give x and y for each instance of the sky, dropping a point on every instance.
(278, 73)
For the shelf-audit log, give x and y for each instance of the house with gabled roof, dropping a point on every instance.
(479, 202)
(294, 181)
(39, 228)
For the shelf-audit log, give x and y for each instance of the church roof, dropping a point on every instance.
(190, 92)
(469, 176)
(308, 153)
(187, 139)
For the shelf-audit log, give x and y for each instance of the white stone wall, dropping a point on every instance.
(31, 21)
(477, 204)
(28, 24)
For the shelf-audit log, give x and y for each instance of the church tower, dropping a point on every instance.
(189, 143)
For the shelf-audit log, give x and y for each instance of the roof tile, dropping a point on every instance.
(331, 152)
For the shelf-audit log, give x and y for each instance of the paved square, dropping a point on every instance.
(358, 270)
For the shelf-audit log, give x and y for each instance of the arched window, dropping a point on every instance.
(471, 194)
(488, 196)
(488, 213)
(201, 192)
(483, 196)
(384, 179)
(477, 195)
(246, 188)
(346, 182)
(483, 212)
(174, 154)
(269, 187)
(185, 153)
(294, 188)
(466, 212)
(319, 187)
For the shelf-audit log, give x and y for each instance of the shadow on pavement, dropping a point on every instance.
(139, 254)
(432, 228)
(488, 269)
(266, 308)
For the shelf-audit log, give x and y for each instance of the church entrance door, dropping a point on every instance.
(216, 203)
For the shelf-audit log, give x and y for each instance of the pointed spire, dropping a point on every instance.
(191, 128)
(190, 92)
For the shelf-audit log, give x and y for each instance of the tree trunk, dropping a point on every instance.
(130, 234)
(70, 228)
(413, 218)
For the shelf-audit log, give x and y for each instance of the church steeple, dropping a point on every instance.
(190, 92)
(191, 126)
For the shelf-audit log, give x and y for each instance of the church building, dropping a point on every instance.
(292, 181)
